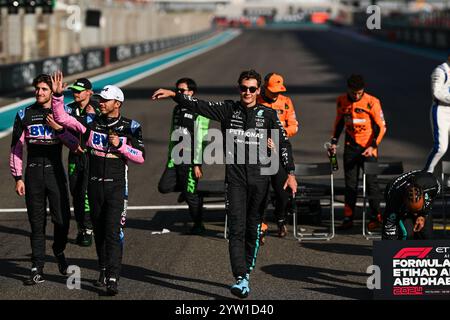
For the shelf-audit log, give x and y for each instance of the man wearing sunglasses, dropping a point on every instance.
(246, 185)
(78, 161)
(187, 126)
(271, 97)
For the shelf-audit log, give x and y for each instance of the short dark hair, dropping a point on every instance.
(192, 86)
(250, 74)
(45, 78)
(267, 77)
(356, 82)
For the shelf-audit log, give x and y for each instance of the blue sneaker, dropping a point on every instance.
(241, 288)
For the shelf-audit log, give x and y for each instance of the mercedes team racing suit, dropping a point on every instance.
(44, 177)
(286, 113)
(78, 169)
(364, 127)
(398, 223)
(440, 114)
(246, 187)
(108, 183)
(186, 127)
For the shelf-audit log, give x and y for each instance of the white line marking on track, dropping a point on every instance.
(162, 207)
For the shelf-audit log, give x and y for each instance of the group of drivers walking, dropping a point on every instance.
(102, 142)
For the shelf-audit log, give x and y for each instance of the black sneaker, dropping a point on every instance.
(62, 263)
(111, 287)
(86, 238)
(36, 277)
(101, 282)
(198, 229)
(282, 228)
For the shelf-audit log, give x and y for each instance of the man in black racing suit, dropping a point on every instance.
(78, 166)
(44, 175)
(408, 204)
(111, 140)
(244, 124)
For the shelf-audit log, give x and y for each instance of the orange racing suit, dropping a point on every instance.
(285, 110)
(364, 127)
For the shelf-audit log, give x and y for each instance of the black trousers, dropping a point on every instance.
(108, 213)
(46, 182)
(243, 206)
(181, 178)
(277, 182)
(353, 163)
(78, 182)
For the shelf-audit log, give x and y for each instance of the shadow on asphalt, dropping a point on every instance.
(323, 277)
(10, 268)
(20, 232)
(179, 221)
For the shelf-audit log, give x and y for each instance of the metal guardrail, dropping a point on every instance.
(17, 76)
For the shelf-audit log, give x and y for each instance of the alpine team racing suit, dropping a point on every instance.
(440, 114)
(44, 177)
(188, 126)
(108, 183)
(398, 223)
(286, 113)
(246, 187)
(364, 127)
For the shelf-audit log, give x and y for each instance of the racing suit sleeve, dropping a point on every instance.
(390, 223)
(338, 124)
(292, 123)
(200, 132)
(378, 123)
(134, 150)
(431, 188)
(286, 157)
(62, 117)
(16, 155)
(212, 110)
(439, 89)
(68, 139)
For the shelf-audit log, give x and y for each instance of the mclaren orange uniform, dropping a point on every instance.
(363, 121)
(285, 110)
(365, 127)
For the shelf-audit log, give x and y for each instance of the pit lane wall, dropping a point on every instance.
(20, 75)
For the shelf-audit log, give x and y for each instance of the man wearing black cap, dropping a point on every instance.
(78, 162)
